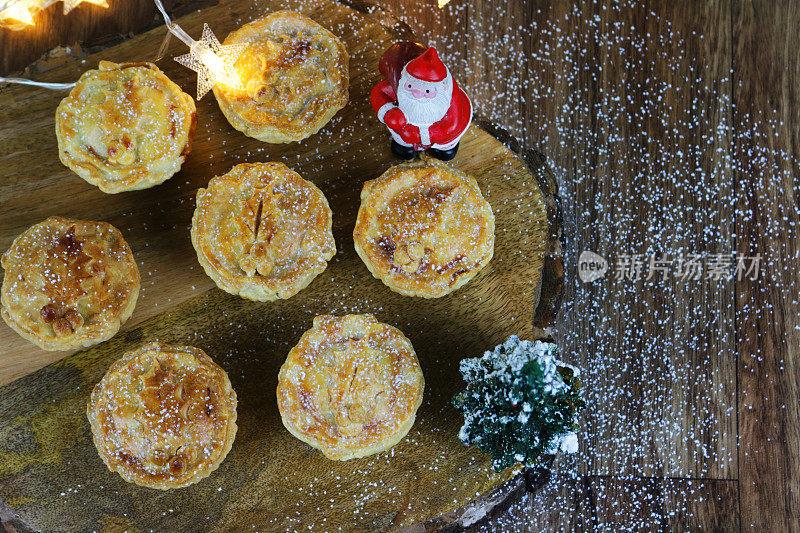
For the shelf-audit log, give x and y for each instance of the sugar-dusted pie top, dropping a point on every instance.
(351, 387)
(163, 416)
(68, 283)
(125, 127)
(424, 228)
(262, 231)
(295, 75)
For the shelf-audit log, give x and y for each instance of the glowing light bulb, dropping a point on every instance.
(213, 62)
(17, 13)
(443, 3)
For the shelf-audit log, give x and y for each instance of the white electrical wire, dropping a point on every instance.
(43, 84)
(173, 28)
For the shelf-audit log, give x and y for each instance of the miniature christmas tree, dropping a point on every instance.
(520, 402)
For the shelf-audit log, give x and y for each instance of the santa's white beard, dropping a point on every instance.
(425, 111)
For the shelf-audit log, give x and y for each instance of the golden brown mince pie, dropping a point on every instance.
(125, 127)
(295, 77)
(351, 387)
(163, 416)
(424, 228)
(68, 283)
(261, 231)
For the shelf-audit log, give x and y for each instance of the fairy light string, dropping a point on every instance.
(213, 62)
(45, 85)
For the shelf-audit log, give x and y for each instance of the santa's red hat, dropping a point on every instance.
(427, 67)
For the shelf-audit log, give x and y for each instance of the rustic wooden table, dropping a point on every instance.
(672, 127)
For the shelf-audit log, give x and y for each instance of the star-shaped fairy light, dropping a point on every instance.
(69, 5)
(213, 62)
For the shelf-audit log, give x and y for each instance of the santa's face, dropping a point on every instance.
(419, 91)
(424, 102)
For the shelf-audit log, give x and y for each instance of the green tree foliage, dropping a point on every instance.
(520, 402)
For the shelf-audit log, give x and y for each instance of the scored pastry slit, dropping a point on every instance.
(276, 227)
(258, 219)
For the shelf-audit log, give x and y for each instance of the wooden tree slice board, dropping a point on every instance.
(50, 473)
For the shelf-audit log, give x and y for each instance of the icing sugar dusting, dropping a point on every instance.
(659, 378)
(639, 132)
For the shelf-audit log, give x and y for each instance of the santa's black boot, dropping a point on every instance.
(444, 155)
(403, 152)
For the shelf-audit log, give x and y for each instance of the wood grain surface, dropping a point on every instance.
(534, 68)
(693, 421)
(766, 81)
(50, 474)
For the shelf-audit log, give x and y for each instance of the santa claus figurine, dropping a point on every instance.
(420, 102)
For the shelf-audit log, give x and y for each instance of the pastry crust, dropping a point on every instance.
(163, 416)
(68, 283)
(424, 228)
(261, 231)
(295, 77)
(125, 127)
(351, 387)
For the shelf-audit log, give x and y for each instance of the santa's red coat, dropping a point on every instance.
(447, 130)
